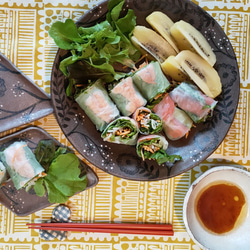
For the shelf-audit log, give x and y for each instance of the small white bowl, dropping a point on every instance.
(236, 239)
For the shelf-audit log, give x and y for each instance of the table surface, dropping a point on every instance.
(116, 199)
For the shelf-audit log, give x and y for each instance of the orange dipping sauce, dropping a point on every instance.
(219, 207)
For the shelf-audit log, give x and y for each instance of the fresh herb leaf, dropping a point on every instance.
(45, 152)
(113, 3)
(65, 35)
(114, 8)
(55, 195)
(60, 151)
(161, 157)
(63, 176)
(39, 187)
(101, 46)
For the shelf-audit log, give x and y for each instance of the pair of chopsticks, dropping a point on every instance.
(118, 228)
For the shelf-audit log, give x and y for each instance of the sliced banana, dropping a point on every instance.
(188, 37)
(201, 72)
(152, 42)
(161, 23)
(172, 68)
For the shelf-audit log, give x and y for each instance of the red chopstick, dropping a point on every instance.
(118, 228)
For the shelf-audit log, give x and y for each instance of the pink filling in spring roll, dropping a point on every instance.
(176, 122)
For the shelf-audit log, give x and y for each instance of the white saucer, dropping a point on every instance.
(238, 238)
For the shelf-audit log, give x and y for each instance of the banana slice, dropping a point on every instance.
(201, 72)
(188, 37)
(172, 68)
(152, 42)
(161, 23)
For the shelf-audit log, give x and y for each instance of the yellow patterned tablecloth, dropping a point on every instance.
(24, 40)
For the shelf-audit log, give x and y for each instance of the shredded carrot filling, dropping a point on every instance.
(158, 96)
(186, 135)
(142, 116)
(151, 148)
(123, 132)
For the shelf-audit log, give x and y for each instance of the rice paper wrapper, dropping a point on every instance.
(139, 110)
(151, 81)
(115, 131)
(97, 105)
(127, 97)
(176, 123)
(3, 174)
(20, 163)
(190, 99)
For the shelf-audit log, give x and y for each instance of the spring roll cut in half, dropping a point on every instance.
(190, 99)
(176, 123)
(98, 106)
(151, 81)
(3, 174)
(20, 163)
(127, 97)
(148, 122)
(154, 147)
(123, 130)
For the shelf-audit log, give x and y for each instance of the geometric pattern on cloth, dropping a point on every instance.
(61, 213)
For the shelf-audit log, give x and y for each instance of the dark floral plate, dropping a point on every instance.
(122, 161)
(21, 100)
(23, 203)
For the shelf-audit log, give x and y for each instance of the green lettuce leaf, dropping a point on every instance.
(63, 176)
(46, 152)
(161, 156)
(65, 35)
(102, 46)
(39, 187)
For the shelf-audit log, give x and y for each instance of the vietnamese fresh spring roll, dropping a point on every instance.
(3, 173)
(197, 105)
(154, 147)
(151, 81)
(98, 106)
(127, 97)
(20, 163)
(176, 123)
(123, 130)
(148, 122)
